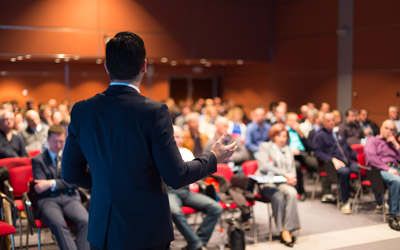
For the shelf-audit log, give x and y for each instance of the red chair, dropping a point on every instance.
(19, 178)
(225, 171)
(362, 178)
(358, 148)
(5, 228)
(250, 168)
(34, 152)
(13, 162)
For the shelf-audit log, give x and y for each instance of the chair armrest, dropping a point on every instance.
(28, 211)
(14, 210)
(9, 191)
(364, 167)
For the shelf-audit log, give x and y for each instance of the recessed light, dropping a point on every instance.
(60, 55)
(99, 61)
(28, 56)
(57, 60)
(239, 62)
(208, 64)
(66, 59)
(19, 58)
(13, 59)
(203, 61)
(164, 60)
(76, 58)
(174, 63)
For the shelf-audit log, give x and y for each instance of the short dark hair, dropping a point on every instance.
(350, 110)
(55, 129)
(125, 54)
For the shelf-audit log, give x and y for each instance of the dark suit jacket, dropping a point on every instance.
(127, 141)
(44, 169)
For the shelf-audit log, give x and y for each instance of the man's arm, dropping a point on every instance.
(371, 154)
(248, 141)
(318, 145)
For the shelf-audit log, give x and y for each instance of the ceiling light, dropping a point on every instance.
(28, 56)
(203, 61)
(57, 60)
(174, 63)
(164, 60)
(239, 62)
(76, 58)
(60, 55)
(13, 59)
(66, 59)
(19, 58)
(99, 61)
(208, 64)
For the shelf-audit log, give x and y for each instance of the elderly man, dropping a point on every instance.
(394, 115)
(257, 131)
(383, 152)
(35, 133)
(11, 145)
(241, 154)
(351, 129)
(331, 146)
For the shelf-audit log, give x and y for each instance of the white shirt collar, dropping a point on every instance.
(125, 84)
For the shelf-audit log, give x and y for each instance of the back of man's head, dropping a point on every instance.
(125, 54)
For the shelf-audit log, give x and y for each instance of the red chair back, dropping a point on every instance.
(249, 167)
(34, 152)
(358, 148)
(361, 161)
(225, 171)
(13, 162)
(19, 178)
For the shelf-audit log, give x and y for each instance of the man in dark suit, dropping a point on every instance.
(127, 140)
(58, 200)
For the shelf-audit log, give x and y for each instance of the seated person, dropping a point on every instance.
(332, 146)
(184, 197)
(241, 154)
(35, 133)
(383, 152)
(192, 138)
(351, 129)
(369, 127)
(56, 199)
(11, 145)
(394, 116)
(275, 156)
(256, 131)
(301, 151)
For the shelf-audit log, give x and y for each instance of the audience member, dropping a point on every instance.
(351, 129)
(35, 133)
(206, 125)
(318, 124)
(394, 115)
(57, 117)
(270, 115)
(301, 151)
(202, 203)
(369, 127)
(192, 138)
(280, 114)
(11, 145)
(325, 107)
(256, 131)
(276, 157)
(303, 113)
(241, 154)
(307, 125)
(332, 146)
(237, 128)
(180, 120)
(45, 114)
(383, 152)
(57, 200)
(18, 122)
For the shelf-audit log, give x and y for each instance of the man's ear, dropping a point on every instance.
(144, 66)
(105, 66)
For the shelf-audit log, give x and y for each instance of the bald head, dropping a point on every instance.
(221, 125)
(387, 129)
(32, 118)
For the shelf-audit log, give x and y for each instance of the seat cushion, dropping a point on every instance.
(6, 229)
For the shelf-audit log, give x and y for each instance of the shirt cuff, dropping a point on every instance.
(53, 185)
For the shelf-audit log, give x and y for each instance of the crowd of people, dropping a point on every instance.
(283, 143)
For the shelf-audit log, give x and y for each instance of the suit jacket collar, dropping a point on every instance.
(119, 89)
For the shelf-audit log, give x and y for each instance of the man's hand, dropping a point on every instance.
(392, 139)
(221, 152)
(393, 171)
(338, 163)
(42, 185)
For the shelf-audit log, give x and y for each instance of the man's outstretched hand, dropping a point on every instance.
(222, 152)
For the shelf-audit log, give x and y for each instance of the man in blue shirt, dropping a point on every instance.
(257, 131)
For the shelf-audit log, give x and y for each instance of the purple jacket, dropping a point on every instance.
(378, 152)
